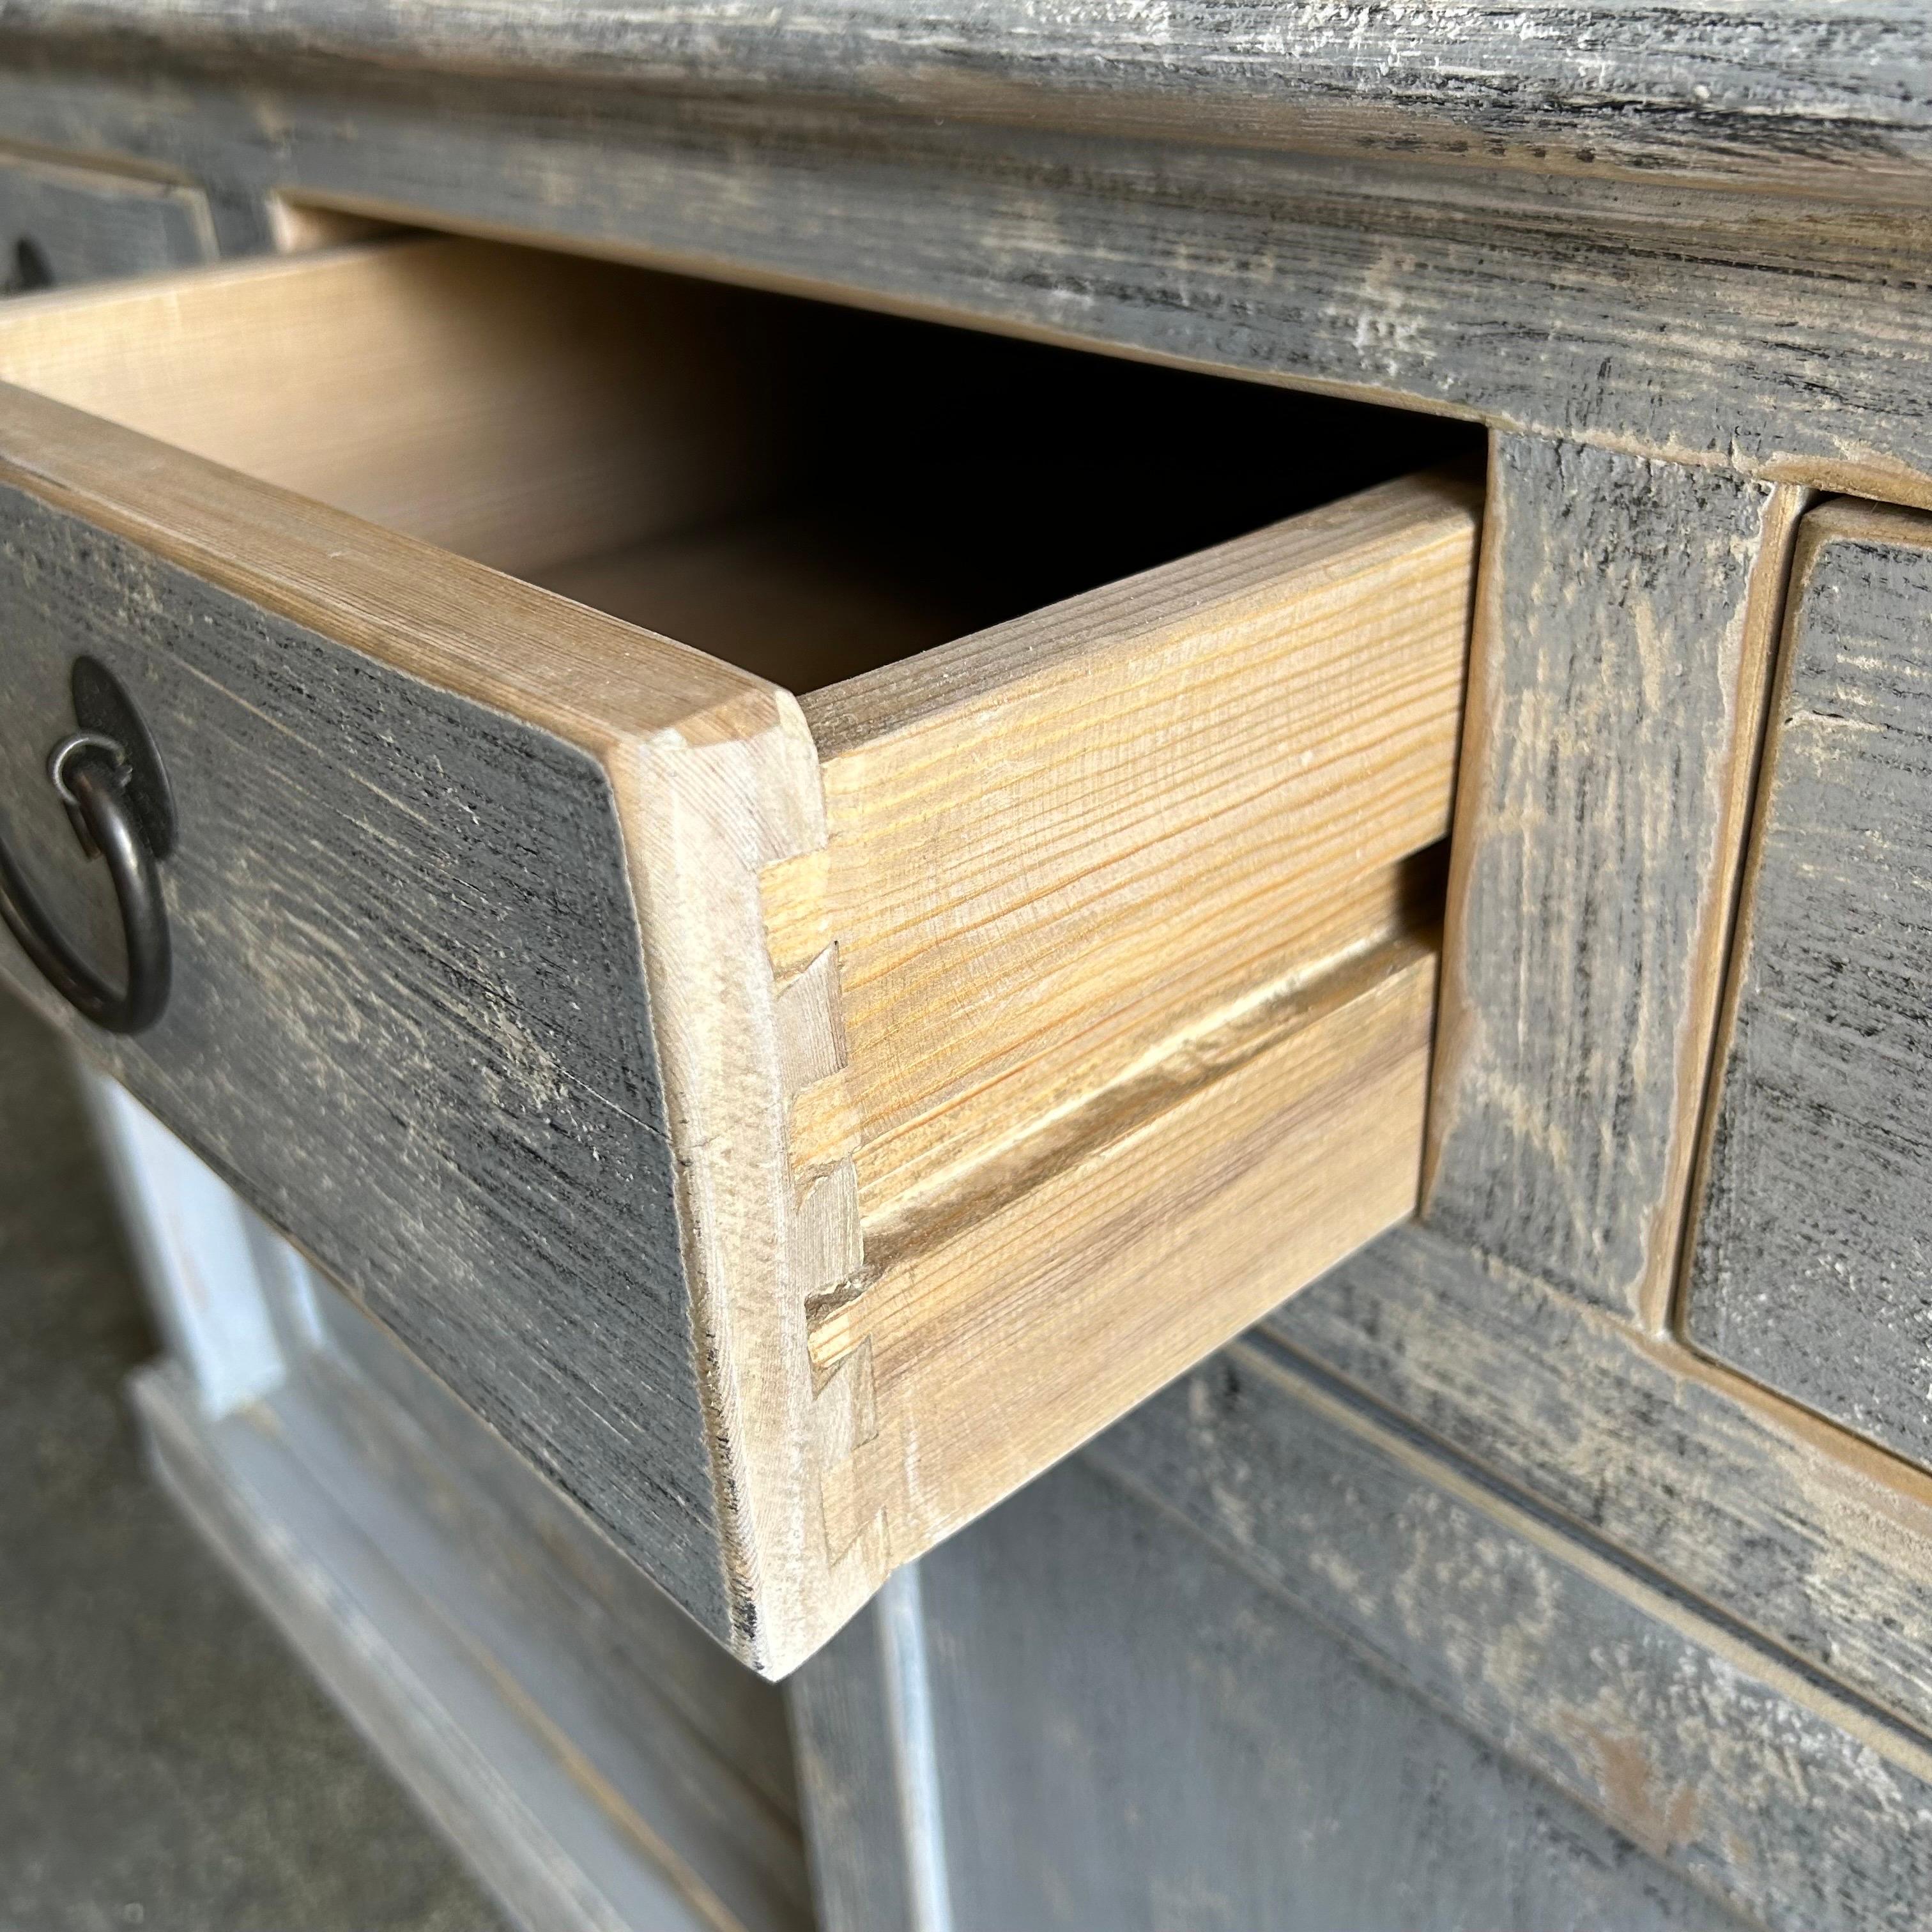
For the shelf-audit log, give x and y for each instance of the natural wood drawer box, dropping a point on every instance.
(793, 1122)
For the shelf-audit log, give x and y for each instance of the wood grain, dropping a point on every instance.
(1762, 329)
(1784, 1522)
(370, 1033)
(524, 410)
(849, 1750)
(1621, 651)
(1205, 931)
(1045, 1308)
(717, 1730)
(452, 1598)
(1808, 1270)
(1793, 1805)
(1835, 96)
(1137, 1730)
(582, 1813)
(451, 1171)
(1052, 844)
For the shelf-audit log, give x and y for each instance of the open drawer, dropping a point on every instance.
(791, 1121)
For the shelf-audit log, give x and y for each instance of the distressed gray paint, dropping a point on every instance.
(1515, 284)
(1735, 330)
(850, 1757)
(525, 1548)
(585, 1807)
(391, 1491)
(409, 1021)
(1836, 92)
(1576, 1409)
(1135, 1733)
(1812, 1270)
(1609, 713)
(1770, 1791)
(89, 224)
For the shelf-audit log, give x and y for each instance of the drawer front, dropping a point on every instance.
(1809, 1270)
(792, 1129)
(409, 1018)
(61, 225)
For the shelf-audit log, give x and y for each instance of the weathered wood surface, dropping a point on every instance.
(615, 1688)
(1796, 1806)
(81, 224)
(583, 1811)
(1784, 336)
(1622, 643)
(692, 777)
(1819, 1544)
(1191, 1070)
(1810, 1269)
(409, 1018)
(1135, 1731)
(1838, 97)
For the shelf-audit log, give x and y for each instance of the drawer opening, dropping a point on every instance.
(806, 490)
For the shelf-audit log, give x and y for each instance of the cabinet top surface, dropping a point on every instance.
(1841, 94)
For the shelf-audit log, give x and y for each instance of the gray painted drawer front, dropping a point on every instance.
(1811, 1264)
(61, 225)
(409, 1018)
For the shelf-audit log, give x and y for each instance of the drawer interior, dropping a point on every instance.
(805, 490)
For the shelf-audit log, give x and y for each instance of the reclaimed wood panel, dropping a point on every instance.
(409, 1018)
(1834, 97)
(463, 1011)
(1780, 335)
(1799, 1531)
(1136, 1731)
(578, 1818)
(1809, 1268)
(1622, 644)
(1797, 1806)
(62, 222)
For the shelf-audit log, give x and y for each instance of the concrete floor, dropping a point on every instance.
(163, 1761)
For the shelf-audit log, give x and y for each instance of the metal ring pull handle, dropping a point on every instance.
(116, 796)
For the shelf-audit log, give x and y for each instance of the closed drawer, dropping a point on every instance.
(62, 224)
(791, 1121)
(1809, 1267)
